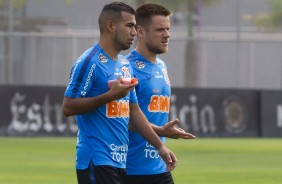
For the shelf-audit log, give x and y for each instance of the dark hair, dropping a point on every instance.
(112, 11)
(144, 13)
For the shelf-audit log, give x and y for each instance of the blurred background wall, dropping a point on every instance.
(214, 43)
(224, 63)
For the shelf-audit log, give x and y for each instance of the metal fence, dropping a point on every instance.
(226, 44)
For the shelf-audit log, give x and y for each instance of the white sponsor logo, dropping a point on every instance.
(166, 76)
(83, 93)
(119, 153)
(158, 75)
(117, 72)
(73, 72)
(151, 152)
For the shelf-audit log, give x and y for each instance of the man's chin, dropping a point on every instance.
(125, 46)
(162, 51)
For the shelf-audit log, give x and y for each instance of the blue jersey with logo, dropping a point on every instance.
(153, 93)
(102, 133)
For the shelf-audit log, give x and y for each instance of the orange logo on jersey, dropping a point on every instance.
(159, 104)
(117, 109)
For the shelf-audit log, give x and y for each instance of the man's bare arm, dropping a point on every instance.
(169, 130)
(142, 126)
(74, 106)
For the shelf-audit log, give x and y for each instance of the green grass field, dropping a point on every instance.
(200, 161)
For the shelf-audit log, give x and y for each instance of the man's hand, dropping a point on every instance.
(168, 157)
(118, 90)
(171, 131)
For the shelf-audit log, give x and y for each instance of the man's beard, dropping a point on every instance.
(120, 45)
(155, 49)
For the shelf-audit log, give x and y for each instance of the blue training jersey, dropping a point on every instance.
(153, 93)
(102, 133)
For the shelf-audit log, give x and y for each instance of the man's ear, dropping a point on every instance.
(140, 31)
(110, 26)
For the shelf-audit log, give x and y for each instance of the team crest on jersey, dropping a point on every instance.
(140, 64)
(166, 76)
(103, 58)
(125, 71)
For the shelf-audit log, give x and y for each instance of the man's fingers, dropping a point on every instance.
(172, 161)
(173, 123)
(176, 121)
(168, 158)
(190, 136)
(186, 135)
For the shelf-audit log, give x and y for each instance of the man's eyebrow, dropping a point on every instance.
(131, 23)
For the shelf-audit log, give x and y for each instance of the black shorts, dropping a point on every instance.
(100, 175)
(164, 178)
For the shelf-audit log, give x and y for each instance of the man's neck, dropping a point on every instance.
(109, 48)
(150, 56)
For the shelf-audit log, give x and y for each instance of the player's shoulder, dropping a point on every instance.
(135, 59)
(131, 56)
(97, 55)
(93, 54)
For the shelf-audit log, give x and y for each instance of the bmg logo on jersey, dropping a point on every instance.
(117, 109)
(151, 152)
(159, 103)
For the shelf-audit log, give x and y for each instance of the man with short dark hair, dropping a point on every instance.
(102, 113)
